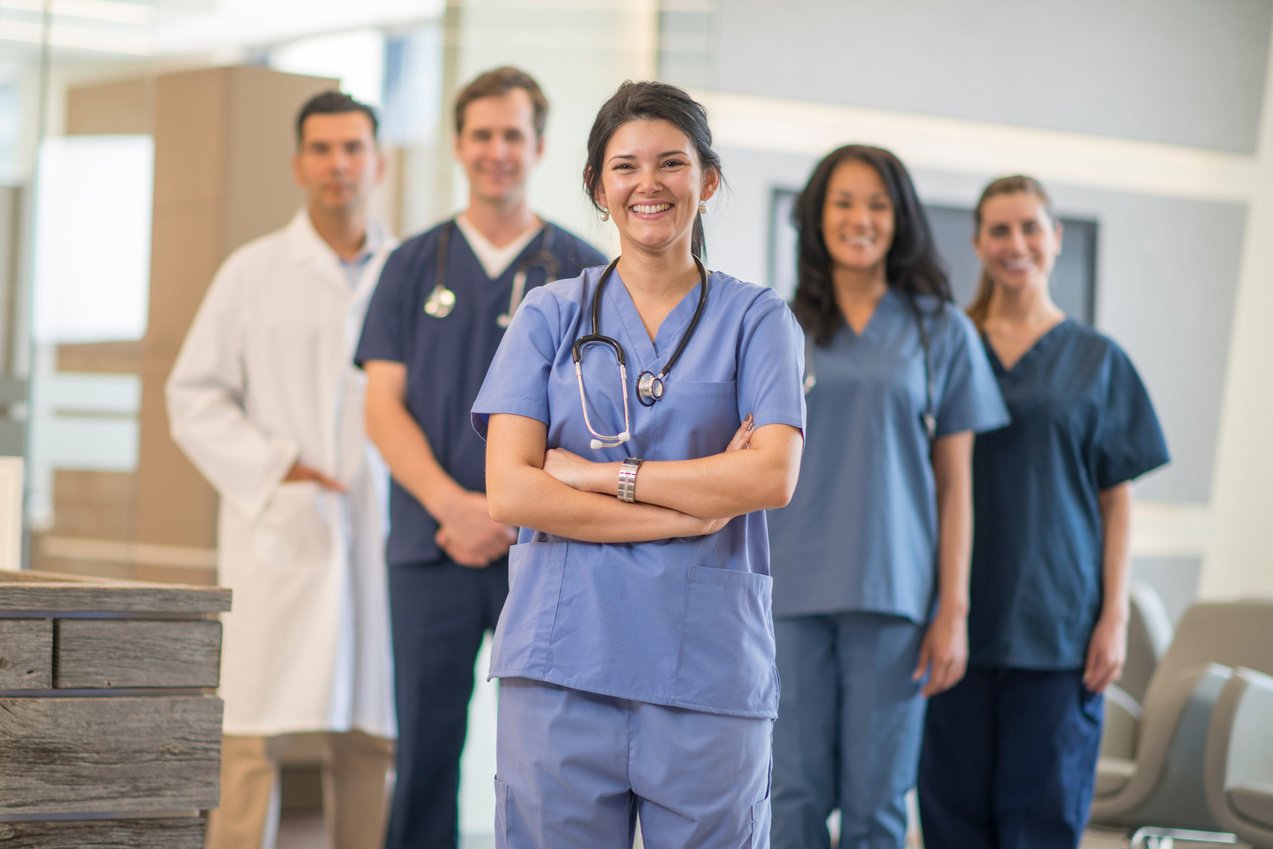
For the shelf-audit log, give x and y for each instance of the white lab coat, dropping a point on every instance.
(265, 378)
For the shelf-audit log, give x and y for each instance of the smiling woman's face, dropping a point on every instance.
(652, 182)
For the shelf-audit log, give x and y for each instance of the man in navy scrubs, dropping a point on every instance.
(437, 316)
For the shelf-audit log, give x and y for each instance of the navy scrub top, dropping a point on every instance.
(1081, 422)
(860, 534)
(446, 358)
(678, 622)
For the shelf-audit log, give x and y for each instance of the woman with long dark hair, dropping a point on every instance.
(871, 556)
(636, 648)
(1009, 754)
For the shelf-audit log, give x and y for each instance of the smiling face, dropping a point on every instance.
(337, 163)
(857, 218)
(1017, 241)
(498, 147)
(652, 182)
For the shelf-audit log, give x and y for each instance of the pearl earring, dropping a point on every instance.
(605, 214)
(702, 207)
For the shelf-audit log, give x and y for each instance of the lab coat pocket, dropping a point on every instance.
(293, 530)
(727, 655)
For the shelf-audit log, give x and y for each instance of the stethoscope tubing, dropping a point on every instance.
(650, 387)
(441, 300)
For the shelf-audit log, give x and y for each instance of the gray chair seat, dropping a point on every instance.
(1112, 774)
(1255, 802)
(1239, 758)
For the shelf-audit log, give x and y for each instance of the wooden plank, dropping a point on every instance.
(26, 654)
(121, 755)
(137, 653)
(185, 833)
(40, 591)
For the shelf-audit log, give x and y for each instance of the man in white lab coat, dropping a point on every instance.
(266, 403)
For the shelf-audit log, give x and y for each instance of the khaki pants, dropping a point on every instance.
(355, 772)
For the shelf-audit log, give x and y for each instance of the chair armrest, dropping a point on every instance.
(1239, 738)
(1122, 722)
(1169, 753)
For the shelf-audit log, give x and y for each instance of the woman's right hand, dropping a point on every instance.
(742, 437)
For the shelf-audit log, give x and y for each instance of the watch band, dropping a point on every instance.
(627, 479)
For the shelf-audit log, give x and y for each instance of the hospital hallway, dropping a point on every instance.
(304, 830)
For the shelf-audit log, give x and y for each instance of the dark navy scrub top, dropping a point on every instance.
(860, 534)
(446, 358)
(1081, 422)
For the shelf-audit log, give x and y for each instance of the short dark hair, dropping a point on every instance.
(499, 81)
(912, 265)
(333, 102)
(651, 101)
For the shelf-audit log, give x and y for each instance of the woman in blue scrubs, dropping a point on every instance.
(636, 647)
(1010, 753)
(871, 557)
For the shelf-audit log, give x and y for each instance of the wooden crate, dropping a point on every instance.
(109, 733)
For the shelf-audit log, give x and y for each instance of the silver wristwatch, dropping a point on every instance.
(627, 479)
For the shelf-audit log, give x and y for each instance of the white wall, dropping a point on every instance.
(1240, 558)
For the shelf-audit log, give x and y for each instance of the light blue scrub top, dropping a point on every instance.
(679, 622)
(860, 533)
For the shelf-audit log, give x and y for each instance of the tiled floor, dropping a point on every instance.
(305, 831)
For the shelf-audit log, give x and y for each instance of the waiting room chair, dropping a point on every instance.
(1149, 632)
(1154, 787)
(1238, 774)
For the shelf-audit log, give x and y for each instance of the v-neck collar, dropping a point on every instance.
(669, 332)
(510, 268)
(885, 299)
(1041, 343)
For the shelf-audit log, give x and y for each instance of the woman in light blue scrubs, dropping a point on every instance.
(636, 646)
(1009, 754)
(871, 557)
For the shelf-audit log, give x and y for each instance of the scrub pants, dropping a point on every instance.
(439, 612)
(848, 729)
(575, 770)
(1009, 760)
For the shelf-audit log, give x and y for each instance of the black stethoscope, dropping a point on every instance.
(928, 416)
(650, 386)
(441, 300)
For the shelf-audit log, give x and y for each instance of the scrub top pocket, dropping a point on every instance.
(699, 418)
(727, 656)
(618, 625)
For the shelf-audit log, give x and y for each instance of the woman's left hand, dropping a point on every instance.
(1106, 653)
(943, 654)
(569, 468)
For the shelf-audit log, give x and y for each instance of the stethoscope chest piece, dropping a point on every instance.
(649, 388)
(440, 302)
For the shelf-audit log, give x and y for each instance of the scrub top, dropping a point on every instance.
(1081, 422)
(860, 534)
(678, 622)
(446, 358)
